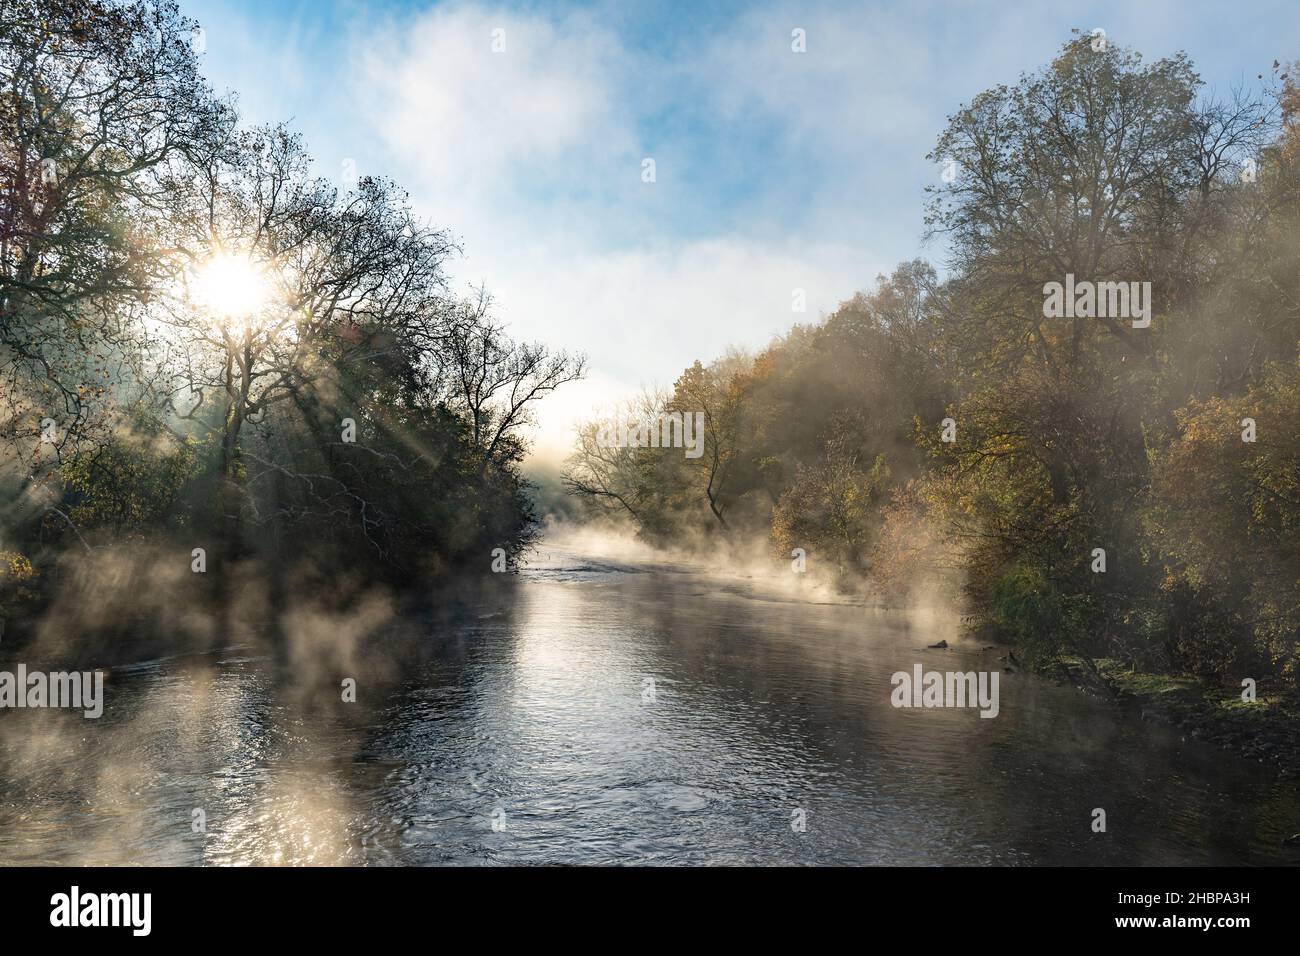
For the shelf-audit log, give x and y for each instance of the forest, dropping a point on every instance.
(214, 361)
(1079, 484)
(943, 507)
(212, 358)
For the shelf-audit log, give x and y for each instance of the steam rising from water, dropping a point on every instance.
(528, 700)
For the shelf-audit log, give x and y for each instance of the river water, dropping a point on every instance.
(602, 711)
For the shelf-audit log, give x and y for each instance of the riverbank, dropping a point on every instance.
(1266, 730)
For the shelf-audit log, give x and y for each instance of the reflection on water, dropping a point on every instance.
(536, 712)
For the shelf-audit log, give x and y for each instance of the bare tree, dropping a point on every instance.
(494, 381)
(613, 477)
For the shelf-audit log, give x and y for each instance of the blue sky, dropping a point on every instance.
(774, 170)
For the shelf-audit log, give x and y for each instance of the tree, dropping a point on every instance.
(648, 485)
(354, 270)
(1225, 515)
(197, 334)
(96, 99)
(831, 508)
(495, 382)
(720, 392)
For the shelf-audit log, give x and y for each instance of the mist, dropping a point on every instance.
(271, 477)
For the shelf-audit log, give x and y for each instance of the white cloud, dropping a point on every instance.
(776, 170)
(659, 309)
(532, 156)
(863, 77)
(644, 316)
(486, 132)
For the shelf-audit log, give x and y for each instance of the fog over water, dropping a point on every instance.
(603, 710)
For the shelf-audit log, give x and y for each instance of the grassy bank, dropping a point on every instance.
(1266, 730)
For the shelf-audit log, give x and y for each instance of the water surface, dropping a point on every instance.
(606, 712)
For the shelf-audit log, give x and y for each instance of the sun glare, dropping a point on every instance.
(231, 286)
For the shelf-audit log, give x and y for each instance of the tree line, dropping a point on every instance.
(1097, 486)
(357, 414)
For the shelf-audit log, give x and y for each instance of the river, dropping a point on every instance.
(632, 712)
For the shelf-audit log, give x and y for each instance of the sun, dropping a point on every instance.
(231, 286)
